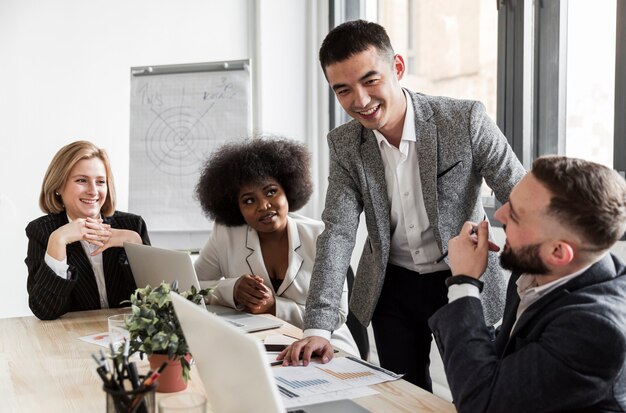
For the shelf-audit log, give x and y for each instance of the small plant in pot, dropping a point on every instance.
(156, 332)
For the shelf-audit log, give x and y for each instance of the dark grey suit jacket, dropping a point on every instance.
(566, 353)
(457, 146)
(50, 296)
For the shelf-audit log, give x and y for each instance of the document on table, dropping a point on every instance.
(100, 339)
(340, 376)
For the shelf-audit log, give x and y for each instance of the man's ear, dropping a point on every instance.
(561, 253)
(399, 66)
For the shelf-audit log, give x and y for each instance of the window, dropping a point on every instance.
(590, 80)
(450, 48)
(562, 79)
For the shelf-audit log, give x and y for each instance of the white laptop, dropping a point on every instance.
(152, 265)
(233, 366)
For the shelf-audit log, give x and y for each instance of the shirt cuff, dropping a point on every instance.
(457, 291)
(59, 267)
(316, 332)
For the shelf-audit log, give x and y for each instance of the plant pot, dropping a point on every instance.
(171, 379)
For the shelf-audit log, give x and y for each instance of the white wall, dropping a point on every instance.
(65, 75)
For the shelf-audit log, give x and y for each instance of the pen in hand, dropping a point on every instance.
(445, 254)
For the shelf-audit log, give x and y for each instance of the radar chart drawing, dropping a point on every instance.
(178, 139)
(176, 121)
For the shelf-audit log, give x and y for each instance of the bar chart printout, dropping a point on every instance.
(305, 381)
(339, 374)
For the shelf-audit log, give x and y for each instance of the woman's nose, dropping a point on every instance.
(264, 204)
(92, 188)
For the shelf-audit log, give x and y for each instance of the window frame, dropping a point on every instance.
(546, 106)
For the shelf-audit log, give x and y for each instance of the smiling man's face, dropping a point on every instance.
(367, 87)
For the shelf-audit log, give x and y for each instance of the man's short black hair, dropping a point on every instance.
(252, 161)
(352, 37)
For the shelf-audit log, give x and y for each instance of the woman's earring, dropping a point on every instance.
(56, 193)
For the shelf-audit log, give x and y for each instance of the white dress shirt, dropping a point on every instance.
(413, 244)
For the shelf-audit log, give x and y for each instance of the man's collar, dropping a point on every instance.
(528, 282)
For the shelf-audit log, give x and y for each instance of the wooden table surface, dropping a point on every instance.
(44, 367)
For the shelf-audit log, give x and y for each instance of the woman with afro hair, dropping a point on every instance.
(260, 255)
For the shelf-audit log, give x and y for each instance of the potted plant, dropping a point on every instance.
(156, 332)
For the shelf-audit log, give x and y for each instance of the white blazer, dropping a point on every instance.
(232, 252)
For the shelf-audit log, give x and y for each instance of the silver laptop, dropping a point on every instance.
(234, 369)
(152, 265)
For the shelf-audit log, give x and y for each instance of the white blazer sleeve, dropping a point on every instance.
(209, 270)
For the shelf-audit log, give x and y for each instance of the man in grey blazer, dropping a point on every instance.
(414, 164)
(562, 343)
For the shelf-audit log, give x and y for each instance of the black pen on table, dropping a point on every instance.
(445, 254)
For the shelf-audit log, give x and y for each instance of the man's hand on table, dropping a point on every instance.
(307, 346)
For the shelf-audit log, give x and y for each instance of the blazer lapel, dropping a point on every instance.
(374, 172)
(426, 145)
(114, 280)
(531, 312)
(601, 270)
(255, 258)
(295, 259)
(508, 319)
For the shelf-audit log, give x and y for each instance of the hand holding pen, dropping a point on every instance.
(492, 247)
(469, 250)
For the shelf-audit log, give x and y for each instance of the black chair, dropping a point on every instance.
(358, 330)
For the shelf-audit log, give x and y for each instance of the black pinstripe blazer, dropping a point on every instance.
(50, 296)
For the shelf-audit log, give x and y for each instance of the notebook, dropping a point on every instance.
(233, 366)
(152, 265)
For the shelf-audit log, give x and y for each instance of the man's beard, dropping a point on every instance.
(525, 260)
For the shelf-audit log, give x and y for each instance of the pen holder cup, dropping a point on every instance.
(141, 400)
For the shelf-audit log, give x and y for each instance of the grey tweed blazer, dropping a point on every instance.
(457, 145)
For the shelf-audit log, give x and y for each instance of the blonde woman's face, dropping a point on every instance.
(86, 189)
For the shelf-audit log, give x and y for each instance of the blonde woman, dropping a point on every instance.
(75, 259)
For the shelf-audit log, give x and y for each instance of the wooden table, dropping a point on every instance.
(44, 367)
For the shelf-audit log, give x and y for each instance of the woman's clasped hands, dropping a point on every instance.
(254, 295)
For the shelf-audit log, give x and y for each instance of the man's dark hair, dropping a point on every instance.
(587, 197)
(354, 37)
(252, 161)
